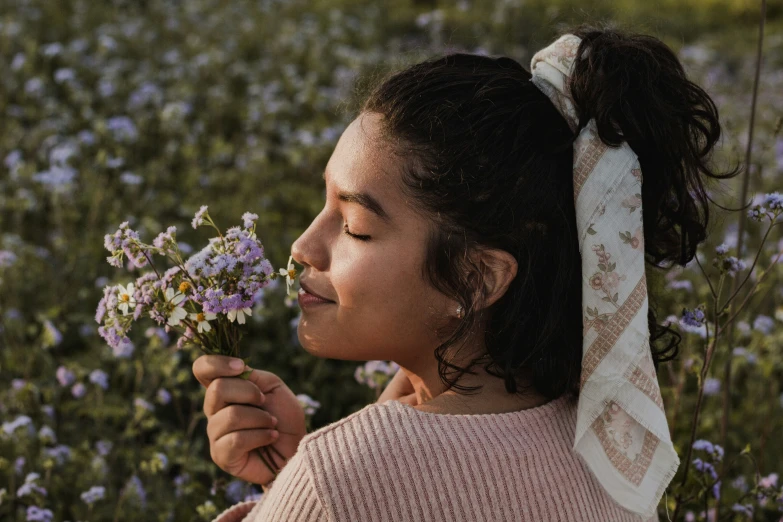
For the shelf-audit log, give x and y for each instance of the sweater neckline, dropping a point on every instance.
(541, 410)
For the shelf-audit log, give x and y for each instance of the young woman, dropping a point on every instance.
(485, 228)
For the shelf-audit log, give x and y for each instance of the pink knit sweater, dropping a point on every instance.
(392, 462)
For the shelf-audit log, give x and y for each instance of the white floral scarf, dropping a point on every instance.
(621, 432)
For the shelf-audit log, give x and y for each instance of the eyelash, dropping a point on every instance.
(355, 236)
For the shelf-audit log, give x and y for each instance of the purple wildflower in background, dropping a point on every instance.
(705, 467)
(746, 509)
(18, 384)
(122, 128)
(30, 486)
(93, 494)
(740, 483)
(693, 318)
(770, 481)
(757, 213)
(716, 490)
(179, 483)
(78, 390)
(103, 447)
(123, 349)
(141, 403)
(53, 335)
(48, 409)
(19, 465)
(763, 324)
(100, 378)
(711, 386)
(34, 513)
(60, 453)
(135, 487)
(774, 202)
(164, 397)
(22, 420)
(47, 434)
(722, 249)
(7, 258)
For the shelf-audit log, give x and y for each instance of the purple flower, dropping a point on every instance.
(711, 386)
(746, 509)
(124, 349)
(757, 213)
(94, 494)
(769, 481)
(60, 453)
(7, 258)
(122, 128)
(705, 445)
(716, 490)
(141, 403)
(22, 420)
(179, 483)
(52, 336)
(19, 465)
(100, 378)
(722, 249)
(198, 219)
(167, 240)
(78, 390)
(164, 397)
(763, 324)
(30, 486)
(18, 384)
(249, 219)
(774, 201)
(135, 487)
(693, 318)
(46, 433)
(34, 513)
(103, 447)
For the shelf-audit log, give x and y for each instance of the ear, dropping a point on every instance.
(498, 269)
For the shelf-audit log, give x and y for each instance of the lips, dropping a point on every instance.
(311, 292)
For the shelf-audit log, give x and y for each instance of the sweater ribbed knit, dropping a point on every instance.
(392, 462)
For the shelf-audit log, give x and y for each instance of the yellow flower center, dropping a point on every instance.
(125, 297)
(183, 286)
(292, 273)
(201, 318)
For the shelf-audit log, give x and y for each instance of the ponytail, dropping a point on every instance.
(635, 88)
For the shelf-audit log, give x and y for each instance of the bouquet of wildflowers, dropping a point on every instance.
(206, 298)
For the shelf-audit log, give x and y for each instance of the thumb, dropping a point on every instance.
(267, 382)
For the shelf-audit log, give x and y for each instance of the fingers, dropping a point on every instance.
(235, 452)
(210, 367)
(236, 418)
(224, 391)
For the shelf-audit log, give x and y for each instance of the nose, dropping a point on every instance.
(311, 248)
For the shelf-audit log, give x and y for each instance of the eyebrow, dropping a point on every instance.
(365, 200)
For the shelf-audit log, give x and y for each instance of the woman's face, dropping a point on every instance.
(383, 309)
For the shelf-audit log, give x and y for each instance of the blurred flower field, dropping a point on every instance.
(144, 111)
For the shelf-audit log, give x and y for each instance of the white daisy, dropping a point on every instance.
(238, 314)
(125, 298)
(203, 320)
(175, 313)
(289, 273)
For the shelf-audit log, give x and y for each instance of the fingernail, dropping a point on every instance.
(236, 364)
(274, 433)
(274, 421)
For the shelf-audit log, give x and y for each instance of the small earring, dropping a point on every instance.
(459, 312)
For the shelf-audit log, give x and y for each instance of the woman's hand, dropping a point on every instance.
(399, 389)
(241, 417)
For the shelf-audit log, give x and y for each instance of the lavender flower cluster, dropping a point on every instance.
(215, 287)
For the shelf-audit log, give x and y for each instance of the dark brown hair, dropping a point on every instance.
(489, 160)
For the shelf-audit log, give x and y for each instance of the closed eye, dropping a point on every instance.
(355, 236)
